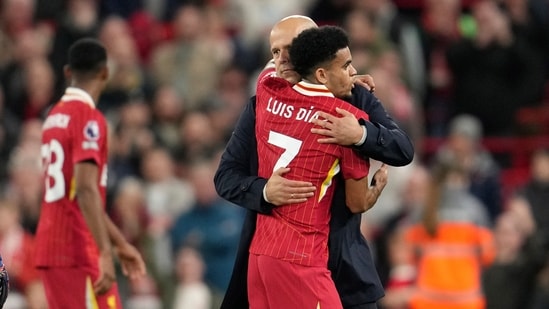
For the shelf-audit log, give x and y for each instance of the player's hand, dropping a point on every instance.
(343, 130)
(282, 191)
(366, 81)
(379, 180)
(131, 261)
(106, 274)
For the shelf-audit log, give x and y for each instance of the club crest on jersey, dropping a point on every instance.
(91, 130)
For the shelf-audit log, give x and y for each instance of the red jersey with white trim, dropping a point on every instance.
(74, 131)
(298, 233)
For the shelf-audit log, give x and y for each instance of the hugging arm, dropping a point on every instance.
(385, 141)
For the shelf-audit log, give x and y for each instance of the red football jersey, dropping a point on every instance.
(298, 233)
(74, 131)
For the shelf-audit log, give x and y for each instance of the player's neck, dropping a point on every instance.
(92, 88)
(306, 80)
(311, 80)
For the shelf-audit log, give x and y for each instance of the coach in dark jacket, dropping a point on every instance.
(350, 260)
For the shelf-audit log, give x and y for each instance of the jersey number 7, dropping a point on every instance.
(290, 145)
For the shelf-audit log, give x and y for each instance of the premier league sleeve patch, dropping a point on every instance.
(91, 135)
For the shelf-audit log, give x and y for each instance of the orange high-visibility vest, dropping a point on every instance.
(449, 265)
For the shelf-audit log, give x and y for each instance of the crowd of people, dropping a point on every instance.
(181, 72)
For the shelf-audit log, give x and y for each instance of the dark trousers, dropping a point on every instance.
(364, 306)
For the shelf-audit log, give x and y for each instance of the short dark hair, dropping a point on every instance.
(314, 46)
(87, 55)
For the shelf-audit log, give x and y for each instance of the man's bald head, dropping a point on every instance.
(293, 23)
(280, 40)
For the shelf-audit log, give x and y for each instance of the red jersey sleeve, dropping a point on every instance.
(89, 132)
(353, 166)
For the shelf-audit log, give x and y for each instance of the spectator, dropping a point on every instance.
(510, 282)
(229, 99)
(27, 71)
(191, 290)
(167, 110)
(536, 192)
(397, 96)
(399, 286)
(195, 57)
(496, 70)
(212, 226)
(16, 17)
(450, 244)
(130, 137)
(367, 42)
(25, 182)
(463, 146)
(394, 259)
(328, 12)
(440, 25)
(529, 20)
(257, 18)
(167, 197)
(404, 35)
(79, 19)
(414, 197)
(39, 88)
(129, 212)
(198, 138)
(127, 76)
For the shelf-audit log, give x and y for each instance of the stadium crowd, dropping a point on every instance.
(458, 72)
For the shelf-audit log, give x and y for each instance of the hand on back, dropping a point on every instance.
(282, 191)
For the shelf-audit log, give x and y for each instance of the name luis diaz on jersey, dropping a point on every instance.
(288, 111)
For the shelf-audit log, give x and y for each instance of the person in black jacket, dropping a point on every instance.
(236, 180)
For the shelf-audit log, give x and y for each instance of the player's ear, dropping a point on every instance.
(320, 75)
(104, 72)
(67, 72)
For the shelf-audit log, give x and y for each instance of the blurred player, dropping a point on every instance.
(75, 237)
(289, 251)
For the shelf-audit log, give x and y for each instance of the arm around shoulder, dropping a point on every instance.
(385, 140)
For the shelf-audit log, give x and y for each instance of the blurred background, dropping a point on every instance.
(467, 80)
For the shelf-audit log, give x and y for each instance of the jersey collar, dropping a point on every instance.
(312, 90)
(73, 93)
